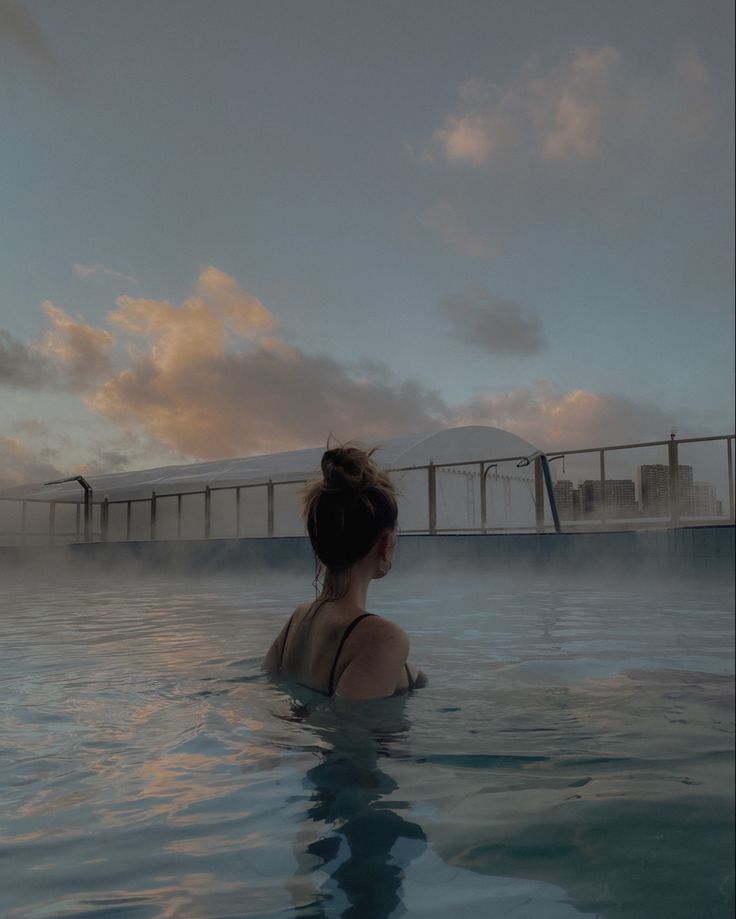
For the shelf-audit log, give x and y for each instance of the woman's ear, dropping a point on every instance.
(383, 544)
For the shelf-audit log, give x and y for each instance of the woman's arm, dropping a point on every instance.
(272, 661)
(418, 677)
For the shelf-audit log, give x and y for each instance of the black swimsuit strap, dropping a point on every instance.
(286, 635)
(346, 635)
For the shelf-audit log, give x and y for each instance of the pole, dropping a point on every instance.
(153, 515)
(674, 473)
(483, 512)
(550, 492)
(269, 509)
(539, 494)
(730, 480)
(602, 464)
(432, 497)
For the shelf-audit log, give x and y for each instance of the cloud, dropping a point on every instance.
(21, 367)
(587, 107)
(31, 459)
(552, 418)
(483, 319)
(19, 30)
(451, 222)
(19, 464)
(259, 400)
(212, 378)
(71, 355)
(88, 271)
(79, 351)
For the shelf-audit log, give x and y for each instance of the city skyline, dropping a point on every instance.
(647, 496)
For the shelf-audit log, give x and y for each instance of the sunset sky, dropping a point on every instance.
(236, 226)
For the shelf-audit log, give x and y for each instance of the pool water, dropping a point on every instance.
(571, 757)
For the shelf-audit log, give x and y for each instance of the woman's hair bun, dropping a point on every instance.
(348, 506)
(348, 468)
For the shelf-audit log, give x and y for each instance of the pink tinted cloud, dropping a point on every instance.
(81, 351)
(212, 378)
(19, 463)
(586, 107)
(70, 355)
(552, 418)
(191, 386)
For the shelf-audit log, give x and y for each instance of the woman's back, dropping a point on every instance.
(335, 647)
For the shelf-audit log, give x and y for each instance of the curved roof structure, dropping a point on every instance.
(451, 445)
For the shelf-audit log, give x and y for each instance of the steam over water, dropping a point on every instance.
(572, 755)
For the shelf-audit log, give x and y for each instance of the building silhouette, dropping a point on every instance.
(613, 497)
(617, 498)
(567, 499)
(656, 491)
(704, 502)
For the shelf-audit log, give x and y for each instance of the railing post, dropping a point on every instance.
(127, 521)
(483, 517)
(674, 483)
(23, 523)
(104, 516)
(87, 514)
(730, 479)
(237, 512)
(178, 516)
(539, 494)
(52, 521)
(550, 492)
(432, 497)
(602, 464)
(153, 515)
(207, 511)
(269, 510)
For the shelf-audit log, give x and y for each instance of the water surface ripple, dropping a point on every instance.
(571, 757)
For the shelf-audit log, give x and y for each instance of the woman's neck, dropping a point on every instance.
(356, 594)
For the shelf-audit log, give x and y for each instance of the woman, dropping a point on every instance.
(333, 645)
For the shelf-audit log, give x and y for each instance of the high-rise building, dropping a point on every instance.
(655, 491)
(703, 500)
(565, 498)
(613, 497)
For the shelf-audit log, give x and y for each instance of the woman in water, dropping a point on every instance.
(333, 645)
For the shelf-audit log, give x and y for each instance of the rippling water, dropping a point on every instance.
(572, 756)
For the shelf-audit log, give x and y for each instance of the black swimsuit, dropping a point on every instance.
(346, 634)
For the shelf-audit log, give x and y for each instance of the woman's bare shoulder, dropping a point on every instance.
(384, 631)
(302, 609)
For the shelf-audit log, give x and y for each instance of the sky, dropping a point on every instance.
(240, 226)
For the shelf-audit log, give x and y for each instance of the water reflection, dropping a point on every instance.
(353, 843)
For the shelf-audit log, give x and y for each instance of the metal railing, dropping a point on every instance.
(545, 512)
(674, 501)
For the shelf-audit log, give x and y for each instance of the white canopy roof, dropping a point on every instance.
(452, 445)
